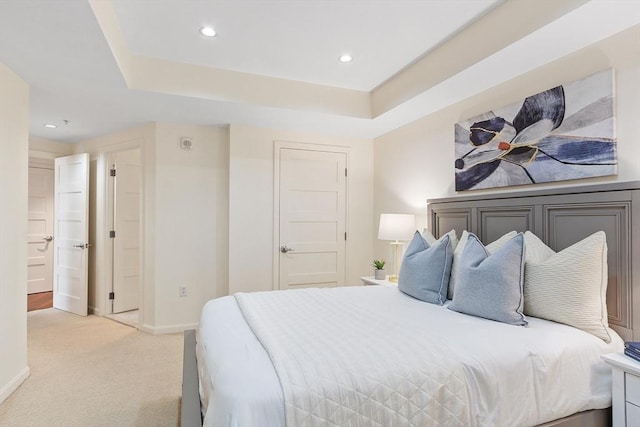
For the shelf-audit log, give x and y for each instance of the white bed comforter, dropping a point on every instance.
(373, 356)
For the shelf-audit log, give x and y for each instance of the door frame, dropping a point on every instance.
(103, 274)
(41, 162)
(277, 146)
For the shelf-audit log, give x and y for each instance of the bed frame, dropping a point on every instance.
(190, 414)
(560, 217)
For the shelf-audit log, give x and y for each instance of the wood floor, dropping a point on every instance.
(39, 301)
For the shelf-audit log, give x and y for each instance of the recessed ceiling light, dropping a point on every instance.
(346, 58)
(47, 125)
(208, 31)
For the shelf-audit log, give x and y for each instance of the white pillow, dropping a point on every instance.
(453, 238)
(570, 286)
(457, 255)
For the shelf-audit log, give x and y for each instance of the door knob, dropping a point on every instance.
(47, 238)
(284, 249)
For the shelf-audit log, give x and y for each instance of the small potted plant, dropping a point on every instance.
(379, 265)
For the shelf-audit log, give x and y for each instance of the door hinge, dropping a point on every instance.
(345, 235)
(112, 234)
(112, 172)
(345, 171)
(112, 295)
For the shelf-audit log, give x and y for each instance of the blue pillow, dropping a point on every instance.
(425, 269)
(490, 285)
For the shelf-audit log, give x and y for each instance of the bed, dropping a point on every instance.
(280, 356)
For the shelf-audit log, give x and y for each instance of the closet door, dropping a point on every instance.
(126, 243)
(312, 218)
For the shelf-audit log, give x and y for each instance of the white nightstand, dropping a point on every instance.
(625, 390)
(370, 280)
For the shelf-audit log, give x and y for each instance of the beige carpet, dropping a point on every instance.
(91, 371)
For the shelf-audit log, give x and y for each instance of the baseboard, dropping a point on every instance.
(171, 329)
(95, 310)
(9, 388)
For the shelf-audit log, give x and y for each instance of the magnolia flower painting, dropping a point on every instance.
(566, 132)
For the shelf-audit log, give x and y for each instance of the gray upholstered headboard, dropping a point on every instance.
(561, 217)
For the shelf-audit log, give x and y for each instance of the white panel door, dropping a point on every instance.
(312, 211)
(126, 244)
(70, 258)
(40, 231)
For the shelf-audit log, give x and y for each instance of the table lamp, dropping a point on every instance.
(396, 227)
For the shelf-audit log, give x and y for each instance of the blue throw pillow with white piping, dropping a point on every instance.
(491, 285)
(426, 268)
(457, 254)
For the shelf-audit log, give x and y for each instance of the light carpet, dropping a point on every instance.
(91, 371)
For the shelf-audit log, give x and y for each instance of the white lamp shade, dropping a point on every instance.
(396, 227)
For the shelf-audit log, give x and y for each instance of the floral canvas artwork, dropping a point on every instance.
(566, 132)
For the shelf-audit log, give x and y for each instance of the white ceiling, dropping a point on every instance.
(61, 48)
(296, 39)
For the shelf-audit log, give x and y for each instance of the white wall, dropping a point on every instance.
(191, 222)
(209, 213)
(14, 157)
(41, 148)
(251, 191)
(185, 220)
(415, 162)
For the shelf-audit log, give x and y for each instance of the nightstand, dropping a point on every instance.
(625, 390)
(370, 280)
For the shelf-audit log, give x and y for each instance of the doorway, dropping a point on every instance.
(40, 235)
(310, 220)
(124, 206)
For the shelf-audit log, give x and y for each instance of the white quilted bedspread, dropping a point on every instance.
(376, 357)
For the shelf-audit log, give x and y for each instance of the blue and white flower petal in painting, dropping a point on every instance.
(566, 132)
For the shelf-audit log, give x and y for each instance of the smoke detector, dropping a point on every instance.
(186, 143)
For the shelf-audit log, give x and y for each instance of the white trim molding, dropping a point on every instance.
(169, 329)
(13, 385)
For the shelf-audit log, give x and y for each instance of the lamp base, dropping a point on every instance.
(394, 277)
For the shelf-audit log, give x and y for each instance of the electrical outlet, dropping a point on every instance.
(183, 290)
